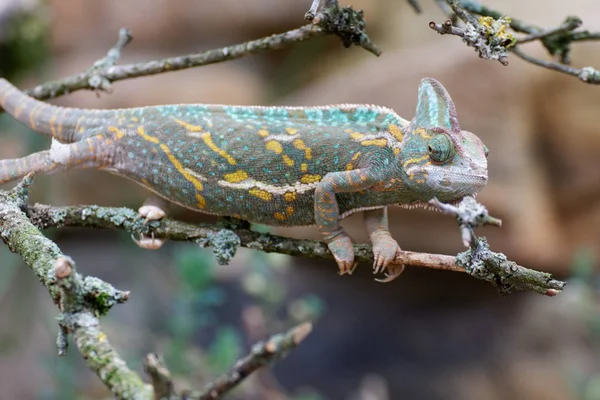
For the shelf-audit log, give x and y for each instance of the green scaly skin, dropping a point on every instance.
(279, 166)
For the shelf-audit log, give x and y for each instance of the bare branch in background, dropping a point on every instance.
(488, 34)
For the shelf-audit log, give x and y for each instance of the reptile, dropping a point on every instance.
(275, 165)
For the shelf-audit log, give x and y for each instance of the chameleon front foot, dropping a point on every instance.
(343, 253)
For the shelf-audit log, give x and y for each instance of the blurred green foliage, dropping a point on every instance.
(24, 43)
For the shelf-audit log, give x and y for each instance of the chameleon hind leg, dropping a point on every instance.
(327, 212)
(93, 152)
(384, 246)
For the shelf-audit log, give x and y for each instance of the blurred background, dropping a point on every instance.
(428, 335)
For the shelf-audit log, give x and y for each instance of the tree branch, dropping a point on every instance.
(80, 300)
(225, 238)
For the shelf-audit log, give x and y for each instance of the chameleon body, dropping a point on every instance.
(279, 166)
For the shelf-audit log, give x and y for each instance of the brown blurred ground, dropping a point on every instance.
(542, 129)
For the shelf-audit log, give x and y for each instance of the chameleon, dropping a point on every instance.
(270, 165)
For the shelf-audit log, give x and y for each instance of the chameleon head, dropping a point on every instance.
(438, 158)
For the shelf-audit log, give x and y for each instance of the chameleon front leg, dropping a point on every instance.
(88, 153)
(384, 246)
(327, 212)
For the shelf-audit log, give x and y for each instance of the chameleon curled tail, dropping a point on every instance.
(62, 123)
(59, 122)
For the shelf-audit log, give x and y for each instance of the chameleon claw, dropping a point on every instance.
(148, 243)
(395, 270)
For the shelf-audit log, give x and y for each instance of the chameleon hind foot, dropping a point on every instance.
(148, 243)
(149, 213)
(384, 252)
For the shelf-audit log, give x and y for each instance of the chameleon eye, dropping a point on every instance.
(441, 148)
(486, 151)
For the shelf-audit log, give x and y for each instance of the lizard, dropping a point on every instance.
(271, 165)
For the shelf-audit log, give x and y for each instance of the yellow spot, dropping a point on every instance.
(120, 133)
(348, 130)
(291, 131)
(304, 167)
(289, 210)
(290, 196)
(396, 151)
(374, 142)
(188, 126)
(415, 160)
(263, 133)
(261, 194)
(211, 145)
(420, 180)
(145, 182)
(395, 131)
(135, 119)
(236, 176)
(279, 216)
(101, 337)
(142, 133)
(350, 165)
(357, 136)
(288, 161)
(186, 174)
(274, 146)
(299, 144)
(310, 178)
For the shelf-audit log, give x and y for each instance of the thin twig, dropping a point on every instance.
(569, 25)
(212, 235)
(587, 74)
(263, 353)
(344, 22)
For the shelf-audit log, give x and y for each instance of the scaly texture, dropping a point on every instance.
(281, 166)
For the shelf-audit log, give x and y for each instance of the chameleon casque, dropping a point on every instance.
(278, 166)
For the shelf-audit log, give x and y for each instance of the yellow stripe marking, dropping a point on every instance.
(396, 132)
(350, 165)
(415, 160)
(263, 133)
(188, 126)
(291, 131)
(374, 142)
(261, 194)
(52, 122)
(274, 146)
(236, 177)
(186, 174)
(120, 134)
(304, 167)
(211, 145)
(146, 137)
(423, 132)
(357, 136)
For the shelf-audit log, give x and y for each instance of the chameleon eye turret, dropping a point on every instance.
(440, 148)
(278, 166)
